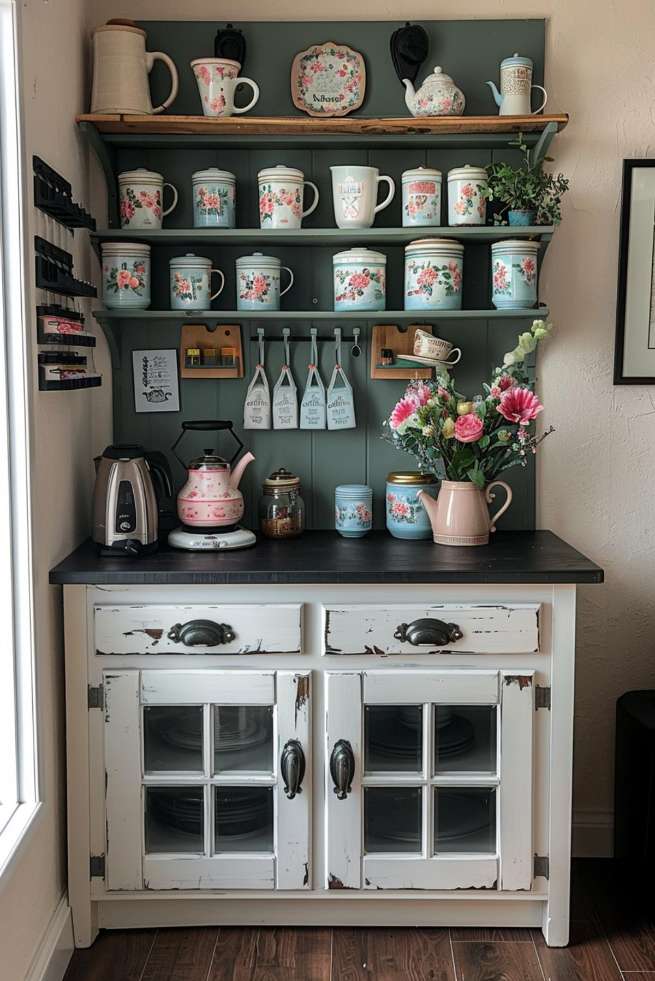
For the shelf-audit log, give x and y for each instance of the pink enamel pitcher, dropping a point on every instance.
(459, 515)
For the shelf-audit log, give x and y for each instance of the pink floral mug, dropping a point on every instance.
(217, 80)
(141, 195)
(281, 192)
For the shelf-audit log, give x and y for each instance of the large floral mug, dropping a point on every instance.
(125, 275)
(217, 79)
(258, 282)
(141, 193)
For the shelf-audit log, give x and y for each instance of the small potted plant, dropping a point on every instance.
(529, 194)
(470, 440)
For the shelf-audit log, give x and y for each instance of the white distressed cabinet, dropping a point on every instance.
(372, 754)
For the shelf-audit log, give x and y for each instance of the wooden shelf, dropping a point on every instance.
(319, 236)
(373, 317)
(291, 125)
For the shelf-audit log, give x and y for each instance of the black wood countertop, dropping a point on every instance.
(325, 557)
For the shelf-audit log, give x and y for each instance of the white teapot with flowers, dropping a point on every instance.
(471, 441)
(437, 96)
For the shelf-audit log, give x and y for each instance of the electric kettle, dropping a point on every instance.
(129, 484)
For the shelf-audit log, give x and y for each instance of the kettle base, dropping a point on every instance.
(210, 540)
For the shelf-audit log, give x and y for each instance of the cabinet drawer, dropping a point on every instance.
(196, 629)
(432, 628)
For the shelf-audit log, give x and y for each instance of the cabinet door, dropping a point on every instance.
(203, 774)
(429, 779)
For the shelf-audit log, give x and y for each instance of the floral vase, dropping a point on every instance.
(460, 516)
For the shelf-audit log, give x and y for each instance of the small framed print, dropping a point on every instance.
(156, 386)
(634, 353)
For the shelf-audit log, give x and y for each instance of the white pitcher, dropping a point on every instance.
(121, 66)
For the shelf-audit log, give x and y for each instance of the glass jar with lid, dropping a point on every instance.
(281, 508)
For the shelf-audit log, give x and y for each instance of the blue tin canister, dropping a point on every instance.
(353, 510)
(406, 516)
(514, 274)
(214, 198)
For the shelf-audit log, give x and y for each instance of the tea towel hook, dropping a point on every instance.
(337, 345)
(260, 337)
(286, 331)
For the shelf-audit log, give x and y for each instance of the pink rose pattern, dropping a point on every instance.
(471, 201)
(213, 203)
(124, 277)
(207, 76)
(330, 80)
(271, 197)
(354, 284)
(358, 514)
(186, 288)
(131, 202)
(403, 509)
(256, 288)
(424, 279)
(502, 285)
(440, 105)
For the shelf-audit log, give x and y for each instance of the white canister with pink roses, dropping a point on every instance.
(359, 280)
(281, 197)
(467, 195)
(141, 194)
(421, 196)
(434, 269)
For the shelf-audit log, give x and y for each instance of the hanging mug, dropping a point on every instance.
(285, 393)
(312, 407)
(257, 406)
(217, 79)
(340, 398)
(141, 193)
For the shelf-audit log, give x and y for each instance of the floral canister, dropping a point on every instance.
(467, 195)
(406, 516)
(421, 196)
(433, 274)
(353, 510)
(141, 193)
(258, 282)
(190, 277)
(514, 274)
(281, 191)
(214, 198)
(359, 280)
(126, 275)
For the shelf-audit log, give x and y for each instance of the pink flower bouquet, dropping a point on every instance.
(474, 439)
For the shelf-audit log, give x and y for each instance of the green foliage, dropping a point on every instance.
(528, 187)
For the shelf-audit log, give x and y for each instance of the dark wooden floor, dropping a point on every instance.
(613, 939)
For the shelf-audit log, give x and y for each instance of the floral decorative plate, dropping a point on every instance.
(328, 79)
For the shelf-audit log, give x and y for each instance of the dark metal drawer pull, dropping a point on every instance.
(438, 633)
(292, 767)
(201, 633)
(342, 768)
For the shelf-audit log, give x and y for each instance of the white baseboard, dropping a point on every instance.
(593, 833)
(56, 947)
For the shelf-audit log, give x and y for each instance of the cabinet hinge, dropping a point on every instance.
(97, 866)
(541, 866)
(96, 697)
(542, 697)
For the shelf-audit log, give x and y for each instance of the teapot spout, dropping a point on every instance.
(496, 94)
(410, 94)
(237, 472)
(429, 503)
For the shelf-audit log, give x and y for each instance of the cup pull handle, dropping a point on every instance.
(342, 768)
(292, 768)
(490, 497)
(201, 633)
(151, 58)
(428, 630)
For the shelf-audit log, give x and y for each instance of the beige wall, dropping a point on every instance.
(597, 471)
(53, 48)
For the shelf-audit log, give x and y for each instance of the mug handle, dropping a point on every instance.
(389, 197)
(543, 104)
(255, 88)
(314, 203)
(151, 58)
(454, 350)
(287, 288)
(167, 211)
(489, 497)
(220, 288)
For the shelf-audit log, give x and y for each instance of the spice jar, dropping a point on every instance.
(281, 509)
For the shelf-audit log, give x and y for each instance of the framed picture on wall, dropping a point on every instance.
(634, 353)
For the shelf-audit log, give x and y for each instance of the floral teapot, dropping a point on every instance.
(438, 96)
(211, 497)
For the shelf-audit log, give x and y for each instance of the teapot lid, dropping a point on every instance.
(516, 59)
(283, 479)
(437, 77)
(208, 460)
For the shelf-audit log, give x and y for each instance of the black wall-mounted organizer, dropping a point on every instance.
(53, 195)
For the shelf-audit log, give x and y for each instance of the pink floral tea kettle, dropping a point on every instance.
(211, 497)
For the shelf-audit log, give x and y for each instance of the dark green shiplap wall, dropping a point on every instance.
(471, 52)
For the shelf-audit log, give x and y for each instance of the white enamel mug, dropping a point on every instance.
(141, 194)
(281, 192)
(217, 79)
(190, 277)
(354, 194)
